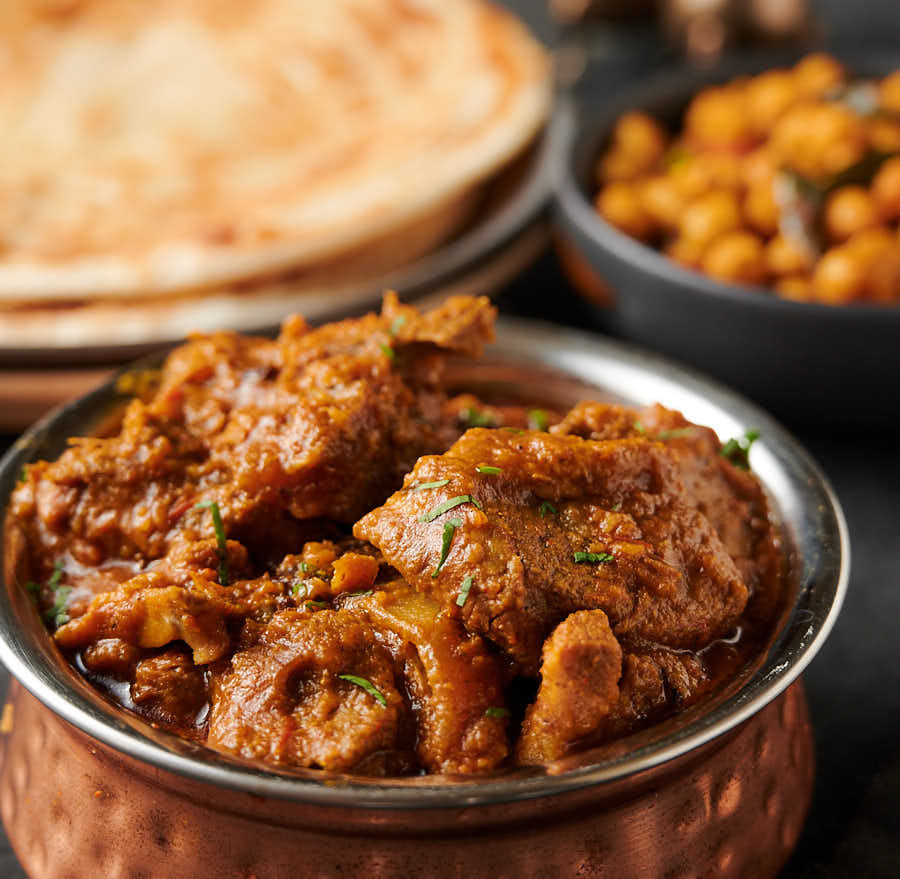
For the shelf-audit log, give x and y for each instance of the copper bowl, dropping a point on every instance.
(722, 789)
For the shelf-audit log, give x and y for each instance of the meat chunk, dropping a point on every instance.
(547, 525)
(148, 611)
(580, 667)
(453, 683)
(170, 689)
(312, 689)
(319, 423)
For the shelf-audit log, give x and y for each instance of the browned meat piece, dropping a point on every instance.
(580, 667)
(556, 524)
(148, 611)
(170, 689)
(112, 657)
(319, 423)
(730, 498)
(655, 682)
(290, 698)
(454, 685)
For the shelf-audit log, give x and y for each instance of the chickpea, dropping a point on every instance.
(848, 210)
(819, 140)
(768, 96)
(884, 134)
(798, 288)
(758, 167)
(886, 189)
(662, 200)
(736, 257)
(685, 252)
(816, 74)
(787, 256)
(839, 277)
(639, 135)
(690, 176)
(889, 92)
(761, 209)
(871, 244)
(709, 217)
(717, 118)
(619, 204)
(883, 283)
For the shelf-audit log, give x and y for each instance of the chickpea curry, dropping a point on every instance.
(789, 179)
(308, 552)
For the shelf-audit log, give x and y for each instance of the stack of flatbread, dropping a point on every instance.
(182, 164)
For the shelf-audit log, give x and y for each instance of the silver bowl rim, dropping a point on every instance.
(788, 472)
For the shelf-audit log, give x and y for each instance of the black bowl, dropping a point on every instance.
(809, 362)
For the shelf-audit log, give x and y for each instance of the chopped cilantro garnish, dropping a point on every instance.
(219, 529)
(496, 711)
(450, 527)
(487, 468)
(471, 417)
(513, 429)
(737, 449)
(594, 558)
(675, 433)
(547, 507)
(616, 506)
(34, 589)
(359, 594)
(366, 685)
(438, 483)
(56, 576)
(388, 351)
(317, 604)
(305, 566)
(397, 324)
(431, 515)
(464, 592)
(640, 427)
(300, 589)
(537, 419)
(57, 613)
(23, 475)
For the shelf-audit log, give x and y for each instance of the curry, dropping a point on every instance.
(309, 552)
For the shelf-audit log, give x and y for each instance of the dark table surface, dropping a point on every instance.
(853, 685)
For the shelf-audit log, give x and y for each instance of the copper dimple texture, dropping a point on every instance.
(75, 808)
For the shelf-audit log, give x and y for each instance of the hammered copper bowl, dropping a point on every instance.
(723, 789)
(808, 362)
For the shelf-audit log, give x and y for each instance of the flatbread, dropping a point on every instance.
(153, 147)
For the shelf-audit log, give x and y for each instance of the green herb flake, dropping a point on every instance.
(516, 430)
(447, 505)
(56, 576)
(359, 594)
(487, 468)
(737, 449)
(547, 507)
(388, 351)
(496, 711)
(675, 433)
(537, 419)
(219, 529)
(57, 614)
(300, 589)
(471, 417)
(464, 592)
(319, 605)
(438, 483)
(616, 507)
(594, 558)
(305, 567)
(639, 427)
(397, 324)
(33, 589)
(366, 685)
(450, 527)
(23, 475)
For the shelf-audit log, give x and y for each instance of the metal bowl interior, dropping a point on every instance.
(794, 356)
(512, 200)
(528, 361)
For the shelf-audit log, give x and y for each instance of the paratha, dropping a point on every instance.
(154, 147)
